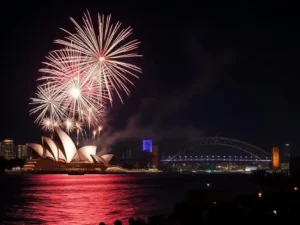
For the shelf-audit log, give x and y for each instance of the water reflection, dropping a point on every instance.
(89, 199)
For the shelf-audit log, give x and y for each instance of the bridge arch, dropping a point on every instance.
(250, 149)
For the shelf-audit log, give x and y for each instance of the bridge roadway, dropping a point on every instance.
(217, 159)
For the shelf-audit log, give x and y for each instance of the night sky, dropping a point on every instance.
(220, 69)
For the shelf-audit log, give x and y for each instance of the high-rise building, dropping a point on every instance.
(286, 153)
(129, 154)
(23, 152)
(285, 157)
(155, 157)
(8, 149)
(19, 152)
(275, 158)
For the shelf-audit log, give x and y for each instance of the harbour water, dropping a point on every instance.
(90, 199)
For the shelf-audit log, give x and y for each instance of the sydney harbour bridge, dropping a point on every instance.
(240, 153)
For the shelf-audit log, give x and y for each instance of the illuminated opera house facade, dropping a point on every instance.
(59, 153)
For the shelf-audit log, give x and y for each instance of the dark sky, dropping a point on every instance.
(233, 68)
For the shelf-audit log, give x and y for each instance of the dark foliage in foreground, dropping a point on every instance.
(9, 164)
(220, 207)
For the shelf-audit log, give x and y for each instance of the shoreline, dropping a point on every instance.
(121, 172)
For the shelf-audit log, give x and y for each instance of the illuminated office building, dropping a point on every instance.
(23, 152)
(8, 149)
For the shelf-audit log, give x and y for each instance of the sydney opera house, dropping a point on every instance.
(59, 153)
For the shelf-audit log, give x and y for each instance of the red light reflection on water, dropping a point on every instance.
(88, 199)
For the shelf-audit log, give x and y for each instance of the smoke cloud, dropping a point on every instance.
(135, 129)
(149, 120)
(155, 111)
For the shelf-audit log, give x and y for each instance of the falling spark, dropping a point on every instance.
(99, 130)
(69, 125)
(47, 124)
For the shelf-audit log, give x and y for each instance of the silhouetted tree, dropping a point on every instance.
(3, 164)
(9, 164)
(118, 222)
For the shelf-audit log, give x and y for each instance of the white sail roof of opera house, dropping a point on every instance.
(49, 144)
(61, 147)
(85, 153)
(37, 148)
(66, 144)
(105, 159)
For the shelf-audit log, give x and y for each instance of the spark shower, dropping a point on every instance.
(79, 79)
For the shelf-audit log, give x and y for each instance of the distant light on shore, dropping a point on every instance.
(259, 194)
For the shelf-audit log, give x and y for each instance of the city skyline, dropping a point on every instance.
(204, 70)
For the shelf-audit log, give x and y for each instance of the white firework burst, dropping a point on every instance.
(105, 53)
(82, 77)
(48, 103)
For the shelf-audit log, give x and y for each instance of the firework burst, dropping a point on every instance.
(78, 91)
(103, 53)
(79, 79)
(49, 102)
(46, 124)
